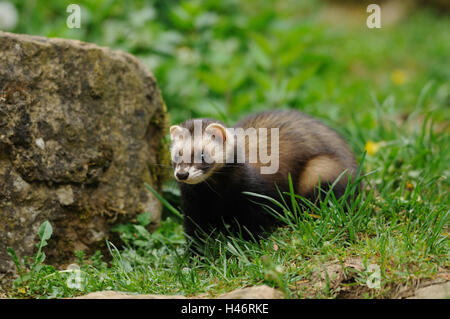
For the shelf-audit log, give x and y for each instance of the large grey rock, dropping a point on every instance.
(80, 126)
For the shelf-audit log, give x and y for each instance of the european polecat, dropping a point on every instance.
(214, 165)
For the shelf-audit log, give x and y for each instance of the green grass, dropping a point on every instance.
(230, 58)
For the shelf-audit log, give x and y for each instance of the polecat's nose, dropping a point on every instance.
(182, 175)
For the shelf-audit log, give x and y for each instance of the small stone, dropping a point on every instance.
(65, 195)
(40, 143)
(437, 291)
(20, 185)
(256, 292)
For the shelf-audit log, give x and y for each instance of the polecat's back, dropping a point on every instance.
(308, 150)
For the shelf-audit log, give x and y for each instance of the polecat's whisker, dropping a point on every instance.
(210, 187)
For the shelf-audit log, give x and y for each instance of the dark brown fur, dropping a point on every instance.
(308, 150)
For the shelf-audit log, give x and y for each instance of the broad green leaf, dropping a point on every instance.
(214, 81)
(142, 231)
(260, 57)
(143, 219)
(12, 253)
(45, 231)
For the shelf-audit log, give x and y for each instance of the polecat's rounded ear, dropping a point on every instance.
(174, 131)
(217, 130)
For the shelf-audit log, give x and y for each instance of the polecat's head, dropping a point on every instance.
(198, 148)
